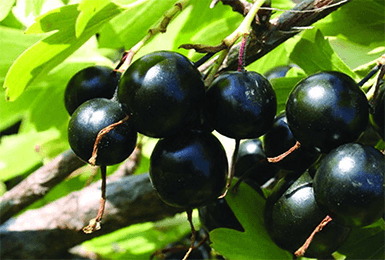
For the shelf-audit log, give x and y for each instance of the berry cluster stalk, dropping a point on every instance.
(160, 28)
(243, 30)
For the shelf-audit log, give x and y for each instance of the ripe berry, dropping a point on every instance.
(349, 184)
(241, 105)
(277, 72)
(218, 214)
(189, 170)
(279, 139)
(164, 92)
(251, 160)
(85, 124)
(91, 82)
(291, 215)
(326, 110)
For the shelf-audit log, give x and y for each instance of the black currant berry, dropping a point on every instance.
(349, 184)
(277, 72)
(241, 105)
(280, 139)
(189, 170)
(164, 92)
(218, 214)
(91, 82)
(85, 124)
(292, 214)
(251, 160)
(327, 109)
(378, 114)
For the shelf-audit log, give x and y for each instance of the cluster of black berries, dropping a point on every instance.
(329, 178)
(162, 95)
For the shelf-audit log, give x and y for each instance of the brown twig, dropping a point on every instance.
(38, 184)
(50, 231)
(281, 29)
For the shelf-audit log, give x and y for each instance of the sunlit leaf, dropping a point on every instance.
(133, 24)
(282, 88)
(141, 240)
(42, 57)
(313, 53)
(5, 8)
(12, 43)
(15, 147)
(88, 9)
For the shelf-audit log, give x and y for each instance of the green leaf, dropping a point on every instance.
(141, 240)
(313, 53)
(366, 243)
(13, 42)
(132, 25)
(42, 57)
(282, 88)
(277, 57)
(359, 21)
(18, 146)
(254, 242)
(5, 8)
(88, 9)
(37, 5)
(11, 21)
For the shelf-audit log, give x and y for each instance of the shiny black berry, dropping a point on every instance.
(279, 139)
(241, 105)
(164, 92)
(291, 215)
(251, 160)
(349, 184)
(85, 124)
(277, 72)
(327, 109)
(218, 214)
(91, 82)
(189, 170)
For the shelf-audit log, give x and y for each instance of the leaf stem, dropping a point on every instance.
(160, 28)
(243, 30)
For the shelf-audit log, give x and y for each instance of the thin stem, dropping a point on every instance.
(189, 218)
(244, 27)
(301, 251)
(370, 74)
(372, 94)
(280, 157)
(232, 168)
(242, 54)
(242, 30)
(95, 223)
(203, 59)
(214, 69)
(99, 137)
(160, 28)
